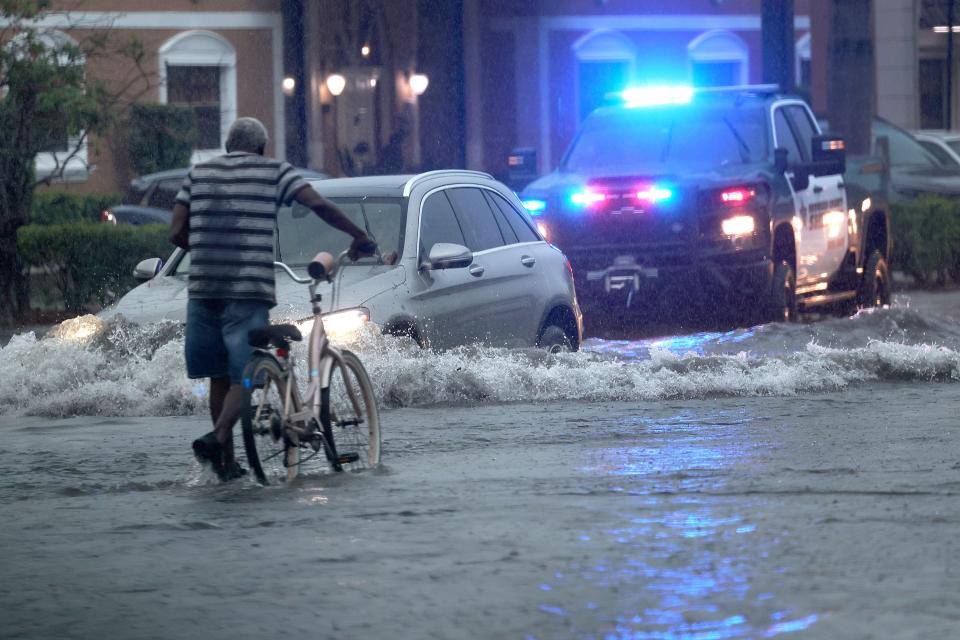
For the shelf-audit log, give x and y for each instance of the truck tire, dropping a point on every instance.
(875, 286)
(782, 304)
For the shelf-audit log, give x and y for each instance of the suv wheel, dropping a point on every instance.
(782, 305)
(555, 340)
(875, 287)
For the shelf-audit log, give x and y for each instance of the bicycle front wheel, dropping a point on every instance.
(272, 456)
(354, 422)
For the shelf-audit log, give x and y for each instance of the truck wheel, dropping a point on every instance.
(875, 287)
(782, 304)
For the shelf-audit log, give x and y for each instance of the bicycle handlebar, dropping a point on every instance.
(339, 261)
(292, 275)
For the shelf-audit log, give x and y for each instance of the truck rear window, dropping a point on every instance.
(642, 139)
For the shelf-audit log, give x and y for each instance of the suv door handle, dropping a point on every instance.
(818, 189)
(476, 270)
(528, 261)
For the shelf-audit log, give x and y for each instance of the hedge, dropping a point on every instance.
(61, 208)
(926, 239)
(92, 263)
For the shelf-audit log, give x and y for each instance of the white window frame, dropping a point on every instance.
(73, 164)
(802, 53)
(719, 45)
(604, 45)
(200, 48)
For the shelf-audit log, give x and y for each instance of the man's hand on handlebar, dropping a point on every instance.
(362, 246)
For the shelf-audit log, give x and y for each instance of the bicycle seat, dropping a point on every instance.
(279, 336)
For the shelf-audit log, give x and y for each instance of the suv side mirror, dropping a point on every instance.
(829, 154)
(444, 255)
(147, 269)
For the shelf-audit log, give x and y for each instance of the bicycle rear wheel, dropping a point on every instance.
(272, 455)
(355, 428)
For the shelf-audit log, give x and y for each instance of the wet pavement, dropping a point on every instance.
(829, 516)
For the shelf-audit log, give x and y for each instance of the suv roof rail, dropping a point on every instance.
(408, 187)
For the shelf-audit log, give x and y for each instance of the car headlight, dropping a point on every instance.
(341, 326)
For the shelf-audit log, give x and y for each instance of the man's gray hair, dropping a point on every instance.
(247, 134)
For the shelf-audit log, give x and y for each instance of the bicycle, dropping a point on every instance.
(337, 415)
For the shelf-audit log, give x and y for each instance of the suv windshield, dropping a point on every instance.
(302, 234)
(687, 138)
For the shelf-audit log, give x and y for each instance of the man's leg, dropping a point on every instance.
(239, 318)
(229, 413)
(218, 392)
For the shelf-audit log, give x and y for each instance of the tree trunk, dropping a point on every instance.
(851, 99)
(14, 286)
(779, 57)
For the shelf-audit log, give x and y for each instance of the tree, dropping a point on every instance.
(47, 92)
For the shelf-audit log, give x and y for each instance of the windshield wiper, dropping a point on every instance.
(744, 148)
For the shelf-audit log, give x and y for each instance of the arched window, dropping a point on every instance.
(605, 64)
(718, 59)
(199, 69)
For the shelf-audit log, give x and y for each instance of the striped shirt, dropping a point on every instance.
(233, 201)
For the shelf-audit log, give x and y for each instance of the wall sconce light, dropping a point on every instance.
(419, 83)
(365, 50)
(289, 84)
(336, 84)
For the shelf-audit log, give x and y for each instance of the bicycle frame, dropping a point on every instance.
(321, 359)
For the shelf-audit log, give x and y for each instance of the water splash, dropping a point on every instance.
(91, 367)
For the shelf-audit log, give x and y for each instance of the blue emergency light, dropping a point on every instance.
(659, 95)
(534, 206)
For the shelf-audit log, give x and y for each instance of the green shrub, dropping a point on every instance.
(160, 137)
(92, 263)
(926, 239)
(61, 208)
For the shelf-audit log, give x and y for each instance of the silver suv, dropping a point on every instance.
(459, 264)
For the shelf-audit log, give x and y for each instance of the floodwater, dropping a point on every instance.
(782, 481)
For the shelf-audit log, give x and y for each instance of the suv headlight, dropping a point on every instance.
(345, 325)
(341, 326)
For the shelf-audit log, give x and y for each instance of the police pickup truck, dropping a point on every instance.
(727, 197)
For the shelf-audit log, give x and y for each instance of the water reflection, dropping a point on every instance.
(699, 343)
(681, 564)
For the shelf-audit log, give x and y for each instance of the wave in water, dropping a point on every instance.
(86, 367)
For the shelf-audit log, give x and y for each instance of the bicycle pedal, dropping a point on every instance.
(347, 458)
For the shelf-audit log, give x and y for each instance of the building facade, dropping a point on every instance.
(223, 58)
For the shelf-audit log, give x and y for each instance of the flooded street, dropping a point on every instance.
(782, 481)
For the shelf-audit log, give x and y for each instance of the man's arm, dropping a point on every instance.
(180, 227)
(332, 215)
(329, 212)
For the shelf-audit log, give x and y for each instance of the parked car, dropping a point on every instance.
(914, 170)
(461, 263)
(149, 199)
(943, 145)
(725, 198)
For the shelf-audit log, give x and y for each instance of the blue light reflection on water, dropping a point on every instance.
(697, 343)
(680, 566)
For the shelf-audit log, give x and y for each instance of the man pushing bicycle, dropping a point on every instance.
(225, 216)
